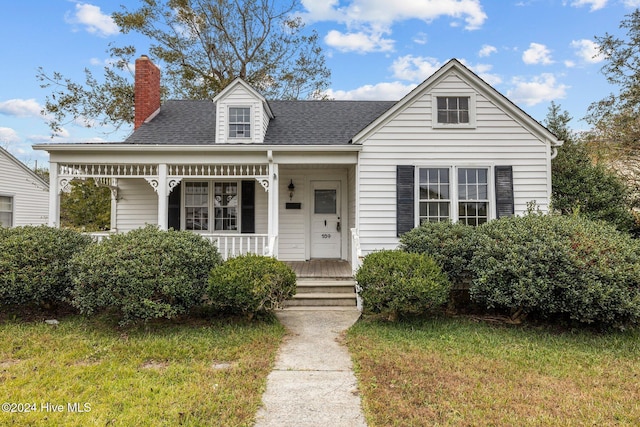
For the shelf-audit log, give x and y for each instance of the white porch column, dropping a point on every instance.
(114, 204)
(163, 197)
(272, 214)
(54, 196)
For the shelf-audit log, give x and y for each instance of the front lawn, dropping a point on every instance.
(92, 373)
(454, 371)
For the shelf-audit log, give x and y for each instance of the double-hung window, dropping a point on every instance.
(6, 211)
(239, 122)
(438, 202)
(435, 201)
(225, 205)
(196, 206)
(473, 195)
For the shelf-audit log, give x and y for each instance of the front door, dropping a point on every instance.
(326, 234)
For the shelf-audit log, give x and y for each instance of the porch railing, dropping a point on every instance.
(229, 245)
(232, 245)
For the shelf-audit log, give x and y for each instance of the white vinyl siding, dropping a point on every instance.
(137, 204)
(408, 138)
(293, 222)
(29, 196)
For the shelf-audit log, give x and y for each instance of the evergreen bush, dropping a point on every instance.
(251, 284)
(395, 283)
(34, 263)
(143, 274)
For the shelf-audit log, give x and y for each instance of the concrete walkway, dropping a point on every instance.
(312, 383)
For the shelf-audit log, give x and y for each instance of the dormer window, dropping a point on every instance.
(239, 122)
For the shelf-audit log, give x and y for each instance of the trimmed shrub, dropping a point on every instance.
(564, 266)
(395, 283)
(251, 284)
(143, 274)
(451, 245)
(34, 263)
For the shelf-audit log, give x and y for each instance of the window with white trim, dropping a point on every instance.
(473, 195)
(225, 206)
(6, 211)
(239, 122)
(453, 109)
(435, 201)
(437, 198)
(196, 206)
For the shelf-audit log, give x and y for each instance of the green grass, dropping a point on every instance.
(453, 371)
(162, 374)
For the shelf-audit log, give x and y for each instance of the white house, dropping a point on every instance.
(24, 196)
(316, 179)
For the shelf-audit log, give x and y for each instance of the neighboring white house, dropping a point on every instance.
(24, 196)
(316, 179)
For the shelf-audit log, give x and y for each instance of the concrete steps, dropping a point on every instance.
(323, 293)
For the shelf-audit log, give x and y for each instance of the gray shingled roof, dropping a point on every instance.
(295, 122)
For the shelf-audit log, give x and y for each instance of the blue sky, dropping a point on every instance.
(532, 51)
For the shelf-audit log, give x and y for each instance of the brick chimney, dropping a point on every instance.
(146, 90)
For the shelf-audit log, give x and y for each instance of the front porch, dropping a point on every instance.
(321, 268)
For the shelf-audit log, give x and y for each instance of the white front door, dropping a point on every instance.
(326, 235)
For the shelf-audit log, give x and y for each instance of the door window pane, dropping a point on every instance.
(325, 201)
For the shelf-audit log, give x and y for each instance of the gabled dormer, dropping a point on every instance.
(242, 114)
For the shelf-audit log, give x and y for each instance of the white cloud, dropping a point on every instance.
(380, 13)
(94, 21)
(420, 38)
(382, 91)
(20, 108)
(595, 4)
(537, 54)
(588, 51)
(542, 88)
(487, 50)
(358, 42)
(569, 63)
(414, 68)
(8, 135)
(632, 3)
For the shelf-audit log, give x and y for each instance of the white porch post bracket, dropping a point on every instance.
(64, 185)
(172, 183)
(153, 182)
(163, 197)
(54, 196)
(264, 181)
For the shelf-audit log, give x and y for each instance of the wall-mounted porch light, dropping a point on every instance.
(292, 189)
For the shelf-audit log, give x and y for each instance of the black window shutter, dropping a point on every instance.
(248, 207)
(173, 211)
(504, 191)
(405, 194)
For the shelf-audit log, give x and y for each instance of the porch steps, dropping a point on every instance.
(323, 293)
